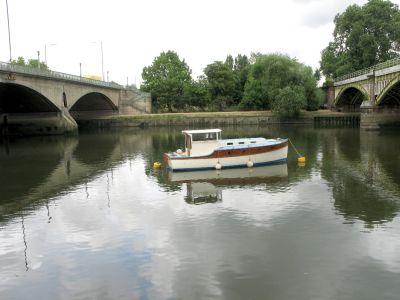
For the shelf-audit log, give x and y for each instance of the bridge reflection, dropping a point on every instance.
(36, 169)
(365, 183)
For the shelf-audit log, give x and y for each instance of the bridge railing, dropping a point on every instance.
(13, 68)
(380, 66)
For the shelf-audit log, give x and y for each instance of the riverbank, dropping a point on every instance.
(216, 119)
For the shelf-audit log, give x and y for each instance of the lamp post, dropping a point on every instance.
(9, 34)
(45, 52)
(102, 60)
(80, 70)
(38, 60)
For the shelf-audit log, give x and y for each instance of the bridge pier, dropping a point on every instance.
(53, 123)
(375, 118)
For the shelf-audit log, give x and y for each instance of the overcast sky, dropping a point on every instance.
(133, 33)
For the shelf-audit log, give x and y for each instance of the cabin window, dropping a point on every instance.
(229, 144)
(206, 136)
(253, 142)
(241, 143)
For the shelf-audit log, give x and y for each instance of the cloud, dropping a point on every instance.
(320, 13)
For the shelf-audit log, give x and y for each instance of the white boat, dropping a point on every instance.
(204, 149)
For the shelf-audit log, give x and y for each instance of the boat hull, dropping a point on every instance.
(231, 158)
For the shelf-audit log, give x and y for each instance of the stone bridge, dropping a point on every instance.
(34, 101)
(375, 92)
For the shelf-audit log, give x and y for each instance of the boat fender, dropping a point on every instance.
(218, 166)
(250, 164)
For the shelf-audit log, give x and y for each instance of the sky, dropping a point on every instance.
(73, 36)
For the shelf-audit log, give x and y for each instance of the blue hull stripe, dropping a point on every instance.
(269, 163)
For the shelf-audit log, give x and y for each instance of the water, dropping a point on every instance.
(88, 218)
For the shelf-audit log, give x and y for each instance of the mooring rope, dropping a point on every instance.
(298, 153)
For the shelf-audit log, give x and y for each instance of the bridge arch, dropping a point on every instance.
(351, 97)
(93, 103)
(17, 99)
(390, 95)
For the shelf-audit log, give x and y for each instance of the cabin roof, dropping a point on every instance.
(201, 131)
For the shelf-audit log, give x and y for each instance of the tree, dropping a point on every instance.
(32, 63)
(363, 36)
(196, 94)
(268, 79)
(289, 101)
(221, 83)
(241, 70)
(166, 79)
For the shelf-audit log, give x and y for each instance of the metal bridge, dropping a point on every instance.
(376, 86)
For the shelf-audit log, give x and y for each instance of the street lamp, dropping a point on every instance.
(102, 61)
(45, 52)
(9, 34)
(38, 60)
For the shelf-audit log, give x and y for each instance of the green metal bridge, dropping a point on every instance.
(376, 86)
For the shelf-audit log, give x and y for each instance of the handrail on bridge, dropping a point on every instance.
(380, 66)
(8, 67)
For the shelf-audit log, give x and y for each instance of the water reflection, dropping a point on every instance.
(359, 168)
(207, 186)
(88, 217)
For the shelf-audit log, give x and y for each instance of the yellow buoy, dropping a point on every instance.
(301, 159)
(156, 165)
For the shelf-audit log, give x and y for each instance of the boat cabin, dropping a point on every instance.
(201, 142)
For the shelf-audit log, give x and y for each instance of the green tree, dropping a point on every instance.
(270, 74)
(241, 70)
(221, 83)
(289, 101)
(32, 63)
(363, 36)
(196, 94)
(166, 79)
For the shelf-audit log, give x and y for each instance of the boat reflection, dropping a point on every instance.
(207, 186)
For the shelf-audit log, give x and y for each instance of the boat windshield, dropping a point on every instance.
(204, 136)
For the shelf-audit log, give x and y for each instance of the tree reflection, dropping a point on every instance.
(356, 167)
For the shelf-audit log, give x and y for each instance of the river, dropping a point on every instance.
(87, 217)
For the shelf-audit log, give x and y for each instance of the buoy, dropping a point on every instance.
(156, 165)
(301, 159)
(250, 163)
(218, 166)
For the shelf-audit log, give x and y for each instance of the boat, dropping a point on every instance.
(206, 150)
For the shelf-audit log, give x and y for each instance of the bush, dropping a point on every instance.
(289, 101)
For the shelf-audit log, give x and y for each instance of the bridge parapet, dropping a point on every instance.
(384, 68)
(12, 68)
